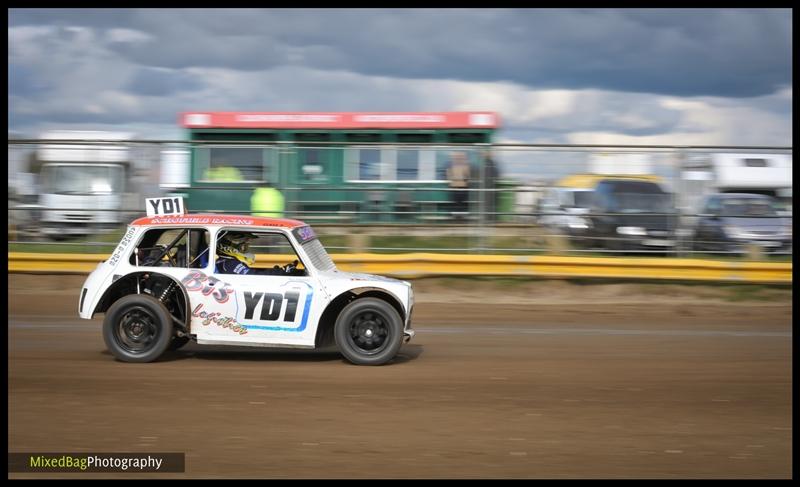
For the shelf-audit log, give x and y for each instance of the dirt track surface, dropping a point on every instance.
(551, 387)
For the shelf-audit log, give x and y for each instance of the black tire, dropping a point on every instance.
(177, 343)
(137, 328)
(369, 331)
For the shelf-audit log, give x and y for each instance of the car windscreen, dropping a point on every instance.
(747, 207)
(313, 247)
(641, 202)
(319, 257)
(583, 199)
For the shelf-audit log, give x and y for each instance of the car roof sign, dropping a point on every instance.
(165, 206)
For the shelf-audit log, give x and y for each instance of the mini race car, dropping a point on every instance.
(161, 288)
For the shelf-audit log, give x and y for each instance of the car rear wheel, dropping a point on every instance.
(137, 328)
(369, 331)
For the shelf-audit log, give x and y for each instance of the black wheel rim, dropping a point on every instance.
(369, 332)
(136, 330)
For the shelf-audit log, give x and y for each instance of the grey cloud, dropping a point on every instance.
(380, 60)
(24, 81)
(719, 52)
(302, 89)
(161, 82)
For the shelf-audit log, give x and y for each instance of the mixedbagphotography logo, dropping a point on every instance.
(63, 462)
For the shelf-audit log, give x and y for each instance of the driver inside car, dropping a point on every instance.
(234, 257)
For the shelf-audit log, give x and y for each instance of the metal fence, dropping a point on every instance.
(527, 206)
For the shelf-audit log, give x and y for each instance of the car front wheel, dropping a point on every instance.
(369, 331)
(137, 328)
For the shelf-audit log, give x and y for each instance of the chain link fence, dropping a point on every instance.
(727, 202)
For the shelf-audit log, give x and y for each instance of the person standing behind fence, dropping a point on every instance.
(492, 174)
(267, 201)
(458, 175)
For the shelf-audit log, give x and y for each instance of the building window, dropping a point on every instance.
(755, 162)
(313, 156)
(369, 164)
(407, 165)
(233, 164)
(466, 138)
(414, 138)
(314, 165)
(442, 163)
(398, 165)
(363, 137)
(445, 156)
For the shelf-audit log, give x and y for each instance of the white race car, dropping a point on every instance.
(162, 287)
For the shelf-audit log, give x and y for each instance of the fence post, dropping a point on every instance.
(358, 242)
(557, 244)
(679, 194)
(754, 252)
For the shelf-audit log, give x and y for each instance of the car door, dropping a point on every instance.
(278, 309)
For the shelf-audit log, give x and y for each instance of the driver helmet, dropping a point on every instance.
(237, 245)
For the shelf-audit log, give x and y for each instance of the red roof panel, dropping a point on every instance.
(213, 219)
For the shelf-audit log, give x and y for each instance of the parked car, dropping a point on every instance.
(632, 215)
(730, 222)
(161, 288)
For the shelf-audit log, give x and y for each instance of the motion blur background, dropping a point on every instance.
(691, 102)
(593, 137)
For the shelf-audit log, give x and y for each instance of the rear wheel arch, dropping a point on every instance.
(137, 328)
(126, 285)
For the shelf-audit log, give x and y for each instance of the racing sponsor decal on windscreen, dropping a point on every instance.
(304, 234)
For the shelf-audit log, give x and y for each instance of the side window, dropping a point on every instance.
(547, 202)
(172, 247)
(714, 206)
(601, 199)
(565, 199)
(271, 251)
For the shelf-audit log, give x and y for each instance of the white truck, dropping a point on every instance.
(174, 169)
(82, 186)
(727, 172)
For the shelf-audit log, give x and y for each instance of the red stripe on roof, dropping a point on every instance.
(341, 120)
(211, 219)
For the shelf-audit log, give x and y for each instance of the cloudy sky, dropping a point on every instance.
(630, 76)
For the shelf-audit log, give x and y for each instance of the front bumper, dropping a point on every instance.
(408, 333)
(646, 242)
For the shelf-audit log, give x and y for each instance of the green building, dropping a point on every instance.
(342, 166)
